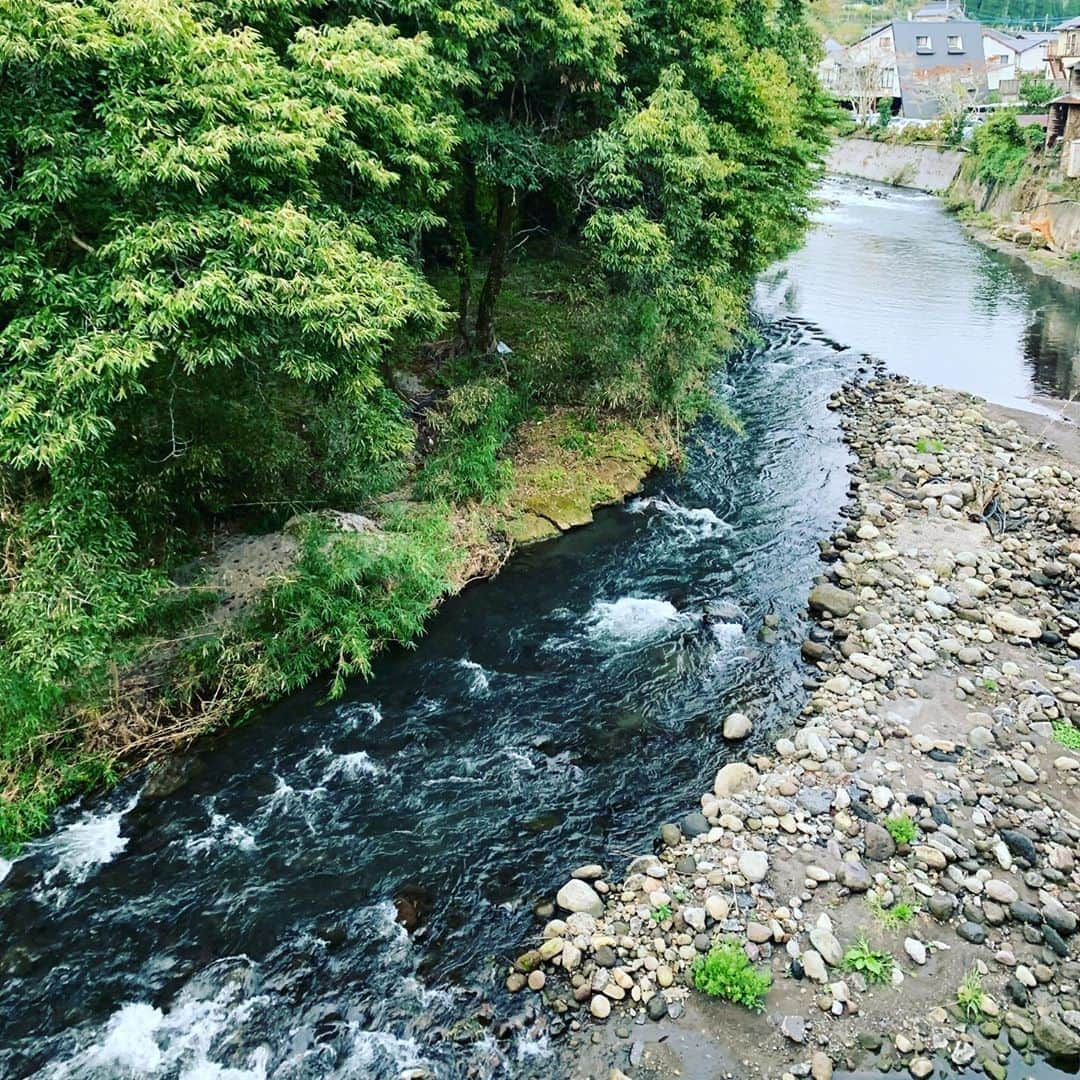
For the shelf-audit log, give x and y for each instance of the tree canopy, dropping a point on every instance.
(225, 221)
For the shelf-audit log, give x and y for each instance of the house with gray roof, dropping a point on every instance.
(920, 64)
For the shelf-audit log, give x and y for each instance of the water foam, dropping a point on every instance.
(480, 682)
(142, 1040)
(84, 846)
(633, 618)
(697, 521)
(351, 766)
(222, 830)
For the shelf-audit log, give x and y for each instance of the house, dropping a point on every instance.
(1063, 54)
(921, 63)
(939, 11)
(1063, 122)
(1012, 57)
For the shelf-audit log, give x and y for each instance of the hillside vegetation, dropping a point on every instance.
(228, 225)
(846, 22)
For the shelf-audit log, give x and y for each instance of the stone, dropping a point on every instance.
(815, 801)
(753, 865)
(820, 1066)
(1055, 1038)
(824, 941)
(814, 966)
(657, 1007)
(694, 917)
(537, 979)
(734, 777)
(930, 856)
(737, 726)
(671, 834)
(941, 906)
(980, 738)
(794, 1028)
(972, 931)
(916, 950)
(1008, 622)
(577, 895)
(834, 600)
(695, 825)
(717, 907)
(921, 1067)
(589, 872)
(879, 843)
(855, 877)
(600, 1007)
(1001, 891)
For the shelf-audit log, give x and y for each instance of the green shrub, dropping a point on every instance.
(348, 596)
(1066, 734)
(874, 965)
(472, 427)
(1001, 149)
(902, 829)
(726, 972)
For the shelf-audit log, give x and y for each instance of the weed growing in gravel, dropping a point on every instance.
(661, 914)
(902, 829)
(726, 972)
(1067, 735)
(970, 997)
(929, 446)
(873, 964)
(892, 918)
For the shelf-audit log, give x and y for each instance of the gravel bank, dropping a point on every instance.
(946, 683)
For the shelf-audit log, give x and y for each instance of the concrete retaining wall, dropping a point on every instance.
(922, 167)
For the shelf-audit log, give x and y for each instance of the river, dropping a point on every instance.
(244, 926)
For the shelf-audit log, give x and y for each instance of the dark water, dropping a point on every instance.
(244, 927)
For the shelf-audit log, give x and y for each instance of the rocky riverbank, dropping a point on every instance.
(908, 848)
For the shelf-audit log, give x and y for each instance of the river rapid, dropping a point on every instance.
(248, 925)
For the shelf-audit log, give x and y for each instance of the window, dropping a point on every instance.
(923, 44)
(956, 43)
(885, 43)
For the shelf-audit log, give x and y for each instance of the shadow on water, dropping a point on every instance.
(327, 892)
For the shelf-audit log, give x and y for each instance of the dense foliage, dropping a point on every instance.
(1001, 149)
(224, 223)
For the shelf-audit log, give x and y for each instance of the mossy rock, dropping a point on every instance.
(530, 528)
(565, 509)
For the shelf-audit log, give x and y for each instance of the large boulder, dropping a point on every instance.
(1008, 622)
(734, 777)
(1055, 1038)
(578, 895)
(833, 599)
(737, 726)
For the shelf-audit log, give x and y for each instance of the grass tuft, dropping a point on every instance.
(874, 965)
(726, 972)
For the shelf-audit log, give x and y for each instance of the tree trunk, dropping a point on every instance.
(489, 295)
(463, 264)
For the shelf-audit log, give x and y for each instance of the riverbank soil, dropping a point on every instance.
(903, 863)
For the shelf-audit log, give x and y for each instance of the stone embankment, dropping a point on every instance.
(923, 167)
(925, 802)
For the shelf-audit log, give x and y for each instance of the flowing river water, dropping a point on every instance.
(245, 926)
